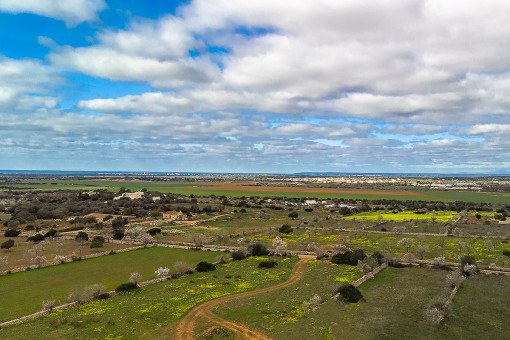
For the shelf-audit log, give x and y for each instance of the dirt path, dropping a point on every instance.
(185, 328)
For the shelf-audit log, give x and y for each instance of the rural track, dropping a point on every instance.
(185, 328)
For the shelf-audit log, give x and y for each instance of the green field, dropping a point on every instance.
(24, 292)
(177, 188)
(481, 309)
(442, 216)
(147, 312)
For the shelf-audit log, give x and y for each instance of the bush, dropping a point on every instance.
(7, 244)
(293, 214)
(126, 287)
(267, 264)
(378, 256)
(257, 249)
(154, 231)
(238, 255)
(118, 235)
(342, 258)
(468, 259)
(285, 229)
(97, 242)
(506, 252)
(51, 233)
(82, 236)
(205, 267)
(350, 294)
(357, 254)
(11, 233)
(35, 238)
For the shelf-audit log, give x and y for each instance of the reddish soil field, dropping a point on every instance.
(247, 186)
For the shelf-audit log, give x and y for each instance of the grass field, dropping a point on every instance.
(147, 312)
(481, 310)
(24, 292)
(17, 255)
(197, 188)
(442, 216)
(406, 290)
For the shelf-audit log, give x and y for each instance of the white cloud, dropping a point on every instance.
(73, 12)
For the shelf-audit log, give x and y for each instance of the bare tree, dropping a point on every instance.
(181, 267)
(406, 243)
(198, 240)
(48, 305)
(135, 278)
(421, 250)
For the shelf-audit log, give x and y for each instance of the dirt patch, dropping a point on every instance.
(185, 328)
(252, 187)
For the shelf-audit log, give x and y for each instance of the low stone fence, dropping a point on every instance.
(370, 275)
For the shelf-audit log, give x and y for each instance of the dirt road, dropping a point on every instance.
(185, 328)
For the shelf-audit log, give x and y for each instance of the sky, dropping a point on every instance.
(414, 86)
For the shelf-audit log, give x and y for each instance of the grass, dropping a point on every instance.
(17, 255)
(442, 216)
(281, 315)
(481, 309)
(24, 292)
(280, 312)
(147, 312)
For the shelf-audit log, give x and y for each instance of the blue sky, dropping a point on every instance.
(255, 86)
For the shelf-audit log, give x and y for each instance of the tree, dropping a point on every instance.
(82, 236)
(421, 250)
(257, 249)
(135, 278)
(181, 267)
(204, 266)
(406, 243)
(285, 229)
(162, 271)
(11, 233)
(97, 242)
(293, 214)
(279, 244)
(7, 244)
(198, 240)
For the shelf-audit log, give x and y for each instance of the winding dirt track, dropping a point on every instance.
(185, 328)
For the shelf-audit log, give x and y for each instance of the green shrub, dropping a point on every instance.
(118, 235)
(342, 258)
(104, 296)
(11, 233)
(350, 294)
(506, 252)
(82, 236)
(285, 229)
(293, 214)
(154, 231)
(35, 238)
(268, 264)
(238, 255)
(378, 256)
(357, 254)
(51, 233)
(7, 244)
(97, 242)
(467, 259)
(126, 287)
(205, 267)
(257, 249)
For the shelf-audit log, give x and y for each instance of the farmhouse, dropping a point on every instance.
(174, 216)
(130, 195)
